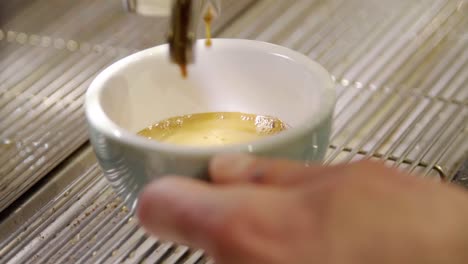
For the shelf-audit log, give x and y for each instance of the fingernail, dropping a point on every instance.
(232, 164)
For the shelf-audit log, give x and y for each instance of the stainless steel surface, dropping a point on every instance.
(401, 69)
(402, 74)
(86, 221)
(461, 177)
(43, 79)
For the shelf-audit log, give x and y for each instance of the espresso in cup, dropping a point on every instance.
(214, 129)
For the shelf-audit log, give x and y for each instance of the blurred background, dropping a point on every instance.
(401, 69)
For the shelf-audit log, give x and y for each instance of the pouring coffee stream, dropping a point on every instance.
(185, 16)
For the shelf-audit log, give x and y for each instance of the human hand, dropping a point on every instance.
(277, 212)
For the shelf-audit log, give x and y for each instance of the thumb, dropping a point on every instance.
(232, 223)
(199, 214)
(217, 218)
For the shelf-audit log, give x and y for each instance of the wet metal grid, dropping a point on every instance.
(401, 70)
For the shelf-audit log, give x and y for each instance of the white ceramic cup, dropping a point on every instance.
(232, 76)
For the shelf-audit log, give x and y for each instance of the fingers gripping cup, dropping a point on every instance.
(234, 76)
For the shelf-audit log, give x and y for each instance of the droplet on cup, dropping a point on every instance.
(98, 49)
(11, 36)
(45, 42)
(72, 45)
(21, 38)
(34, 40)
(59, 43)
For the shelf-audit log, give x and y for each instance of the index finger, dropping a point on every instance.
(215, 218)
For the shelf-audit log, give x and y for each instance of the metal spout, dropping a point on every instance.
(182, 33)
(185, 16)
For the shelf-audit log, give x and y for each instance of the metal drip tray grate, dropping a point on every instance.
(401, 69)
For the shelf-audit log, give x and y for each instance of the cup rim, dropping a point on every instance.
(98, 119)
